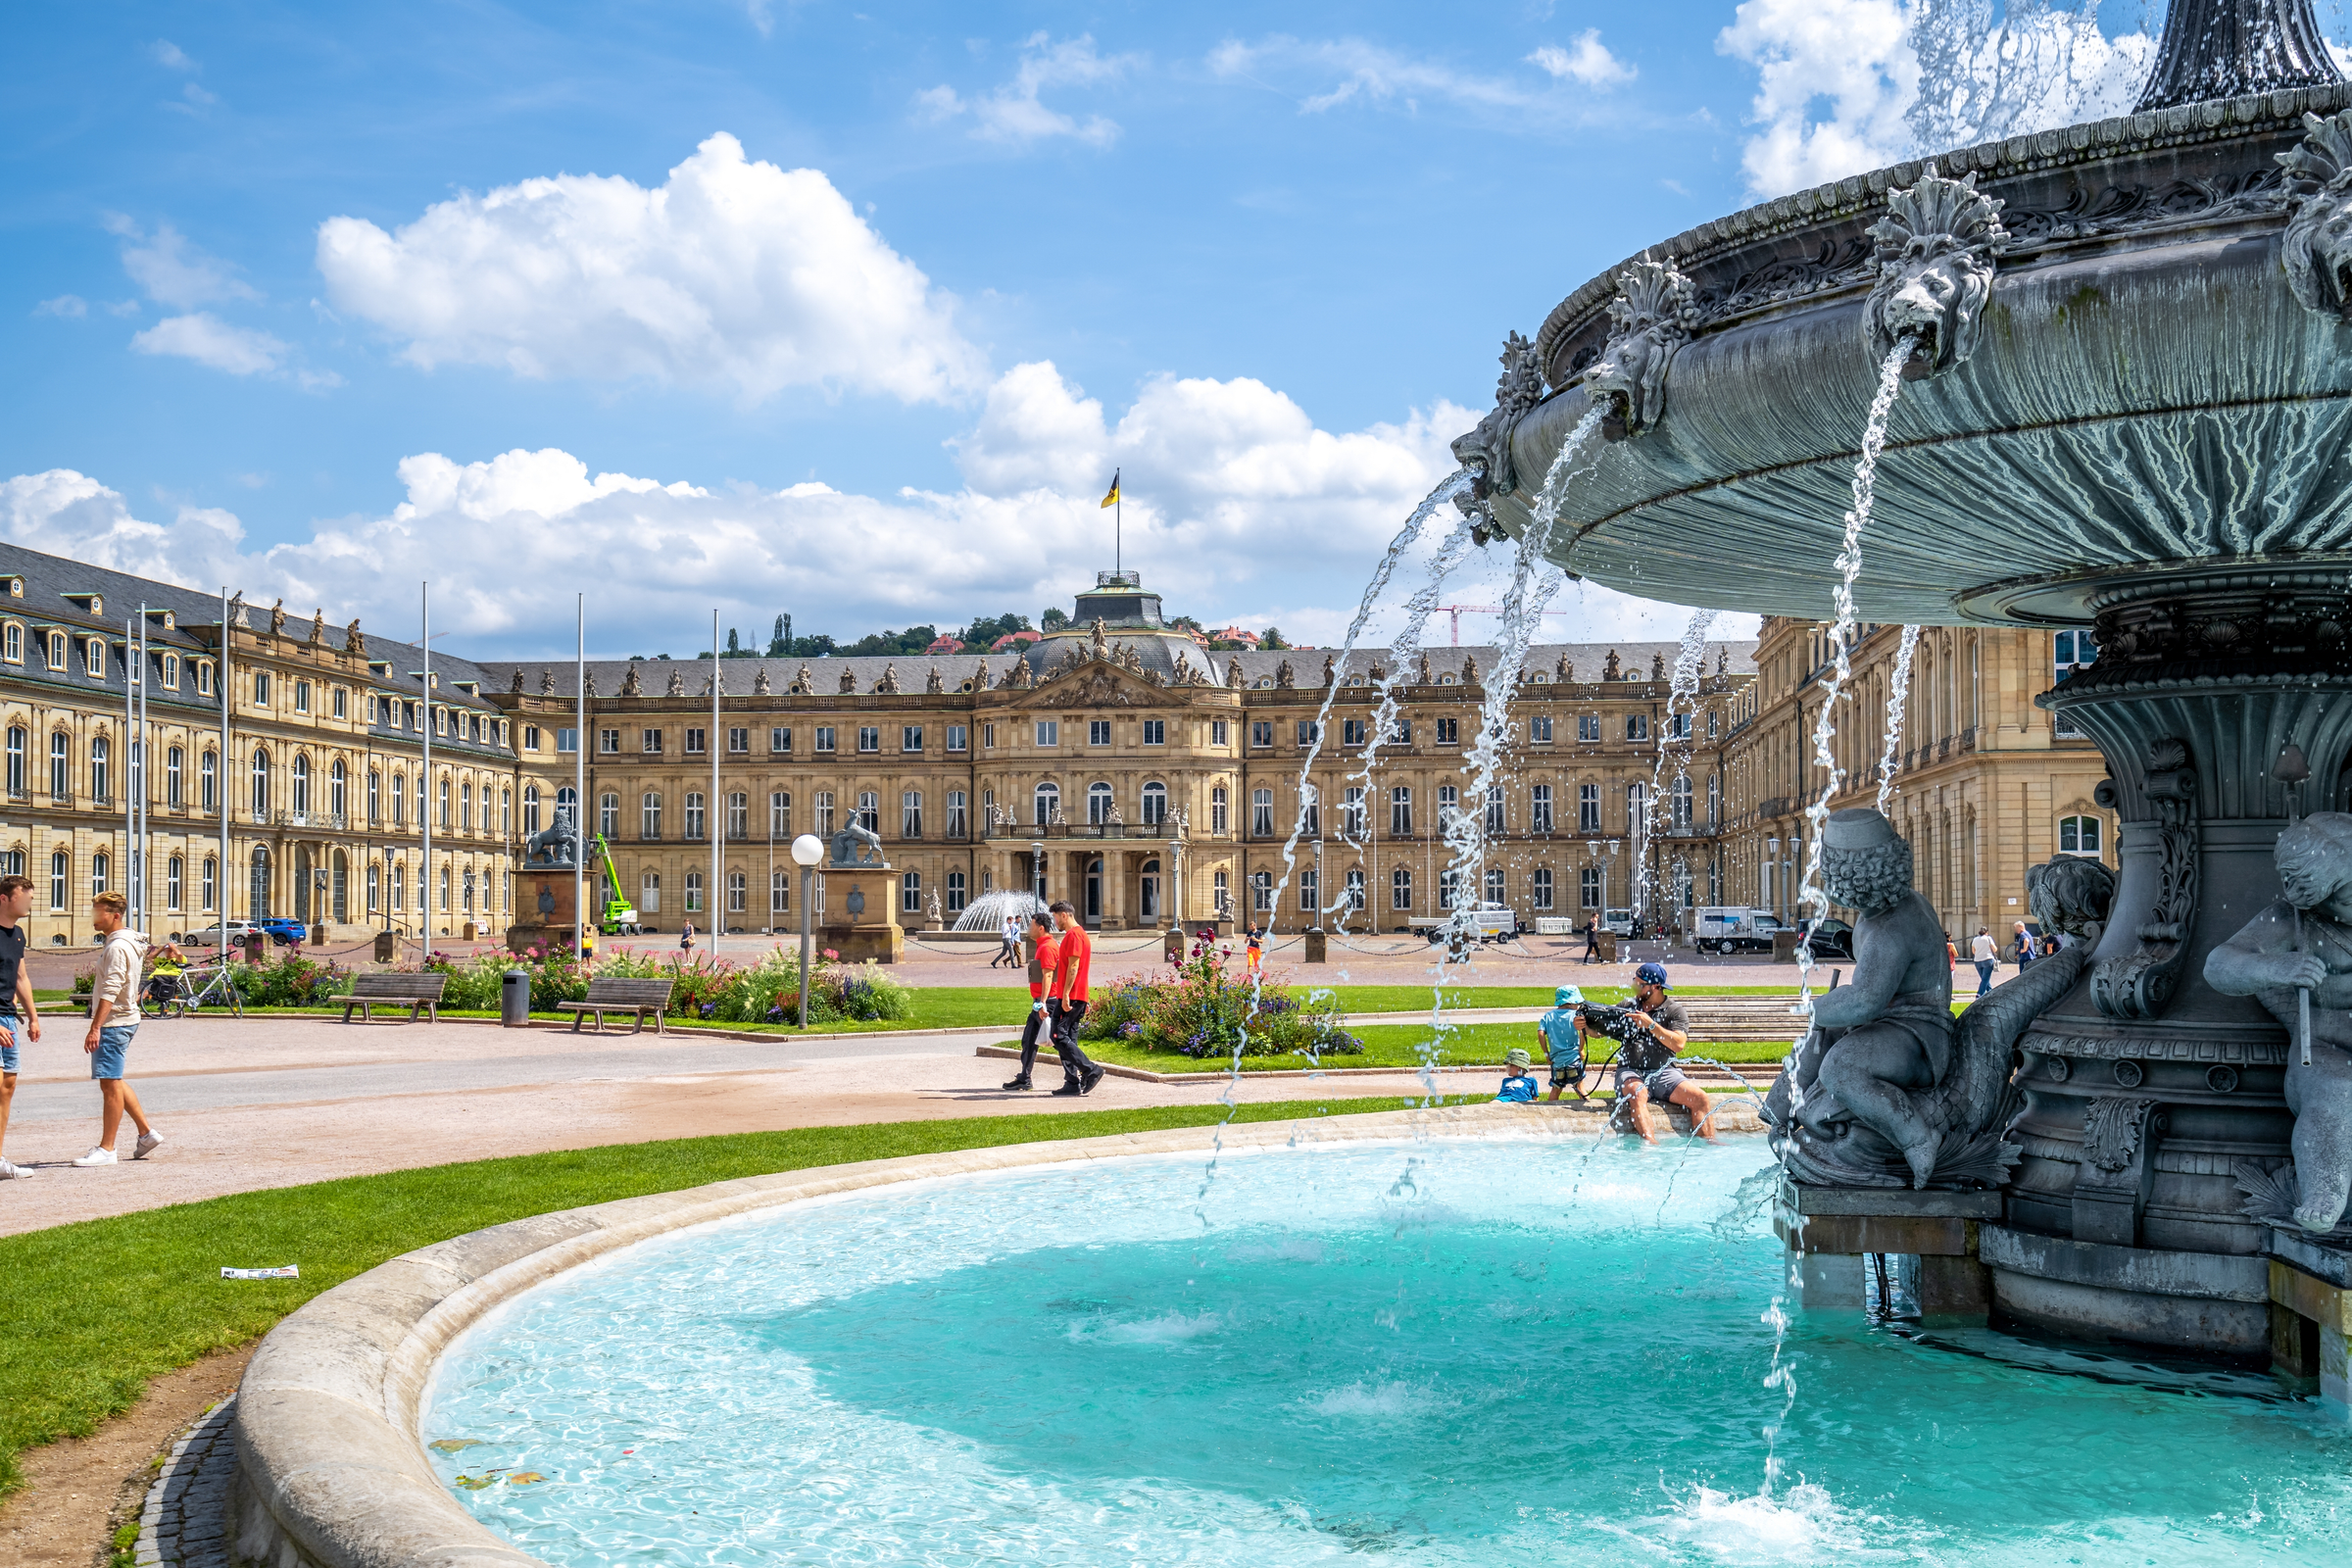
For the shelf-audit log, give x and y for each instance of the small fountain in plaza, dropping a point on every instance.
(2113, 389)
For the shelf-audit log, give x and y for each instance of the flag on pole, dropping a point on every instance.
(1112, 499)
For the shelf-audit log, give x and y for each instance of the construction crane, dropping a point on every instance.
(1458, 610)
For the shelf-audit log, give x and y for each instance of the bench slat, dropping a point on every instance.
(402, 985)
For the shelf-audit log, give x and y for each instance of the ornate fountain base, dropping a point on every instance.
(1828, 1231)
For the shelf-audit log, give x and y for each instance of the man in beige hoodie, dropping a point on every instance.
(113, 1019)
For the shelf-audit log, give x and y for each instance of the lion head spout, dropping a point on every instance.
(1935, 258)
(2317, 248)
(1656, 312)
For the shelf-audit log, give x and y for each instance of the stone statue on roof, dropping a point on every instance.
(1283, 680)
(678, 683)
(1427, 679)
(1723, 660)
(1233, 675)
(277, 617)
(517, 688)
(1331, 670)
(1658, 666)
(933, 681)
(1096, 638)
(711, 682)
(1469, 671)
(353, 642)
(848, 680)
(1565, 670)
(591, 683)
(760, 686)
(888, 685)
(802, 685)
(237, 608)
(980, 677)
(318, 625)
(1609, 669)
(547, 682)
(630, 684)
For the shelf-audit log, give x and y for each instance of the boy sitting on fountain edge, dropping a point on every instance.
(1519, 1085)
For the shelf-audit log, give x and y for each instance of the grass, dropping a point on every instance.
(1400, 1045)
(93, 1310)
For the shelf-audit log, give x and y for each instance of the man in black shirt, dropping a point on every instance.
(18, 1022)
(1670, 1026)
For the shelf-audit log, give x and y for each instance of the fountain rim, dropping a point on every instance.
(331, 1461)
(1863, 195)
(2056, 600)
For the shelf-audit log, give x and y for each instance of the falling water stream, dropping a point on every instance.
(1897, 697)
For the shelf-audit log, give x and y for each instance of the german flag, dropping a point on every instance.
(1112, 499)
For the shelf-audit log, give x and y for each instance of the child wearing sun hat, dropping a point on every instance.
(1519, 1086)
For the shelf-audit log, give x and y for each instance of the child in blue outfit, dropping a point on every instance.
(1519, 1088)
(1562, 1045)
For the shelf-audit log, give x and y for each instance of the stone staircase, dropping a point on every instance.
(1743, 1018)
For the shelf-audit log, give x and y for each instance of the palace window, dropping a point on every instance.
(1588, 887)
(911, 893)
(1308, 731)
(779, 892)
(1450, 732)
(1449, 888)
(1356, 889)
(1047, 803)
(1261, 732)
(1587, 808)
(1262, 892)
(12, 642)
(693, 892)
(1637, 726)
(1262, 814)
(1049, 732)
(1352, 813)
(1217, 732)
(1216, 810)
(60, 866)
(822, 801)
(870, 810)
(2079, 835)
(18, 739)
(61, 766)
(694, 813)
(338, 781)
(1352, 732)
(739, 739)
(56, 657)
(1538, 729)
(173, 869)
(735, 892)
(607, 741)
(204, 677)
(956, 892)
(302, 697)
(608, 814)
(1400, 812)
(958, 738)
(694, 742)
(1588, 726)
(649, 893)
(530, 808)
(869, 738)
(1155, 732)
(958, 821)
(910, 814)
(910, 738)
(209, 885)
(1401, 888)
(1450, 801)
(301, 777)
(1494, 886)
(1156, 804)
(739, 816)
(96, 648)
(648, 822)
(1098, 803)
(1495, 809)
(824, 737)
(779, 815)
(650, 742)
(1539, 809)
(779, 739)
(1311, 892)
(1542, 885)
(171, 673)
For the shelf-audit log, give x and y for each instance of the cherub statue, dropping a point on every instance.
(2304, 940)
(1886, 1087)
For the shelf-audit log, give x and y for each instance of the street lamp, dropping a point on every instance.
(807, 850)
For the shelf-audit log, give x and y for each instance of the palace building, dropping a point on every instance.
(1115, 762)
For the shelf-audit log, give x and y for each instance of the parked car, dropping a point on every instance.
(284, 930)
(1832, 938)
(205, 936)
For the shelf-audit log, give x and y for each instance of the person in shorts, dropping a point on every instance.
(1563, 1041)
(1670, 1026)
(18, 1022)
(1518, 1085)
(113, 1019)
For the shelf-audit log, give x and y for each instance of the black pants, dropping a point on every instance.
(1067, 1015)
(1040, 1026)
(1010, 955)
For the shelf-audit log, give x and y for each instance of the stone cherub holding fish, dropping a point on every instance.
(2304, 940)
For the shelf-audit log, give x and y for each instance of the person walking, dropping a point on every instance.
(113, 1019)
(1065, 1000)
(1256, 949)
(1592, 940)
(20, 1020)
(686, 937)
(1981, 954)
(1010, 955)
(2023, 948)
(1045, 953)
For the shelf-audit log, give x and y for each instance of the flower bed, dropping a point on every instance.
(1198, 1008)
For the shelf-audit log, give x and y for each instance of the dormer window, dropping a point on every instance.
(16, 587)
(472, 688)
(380, 668)
(57, 649)
(87, 604)
(95, 648)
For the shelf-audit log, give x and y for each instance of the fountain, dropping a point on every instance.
(2126, 398)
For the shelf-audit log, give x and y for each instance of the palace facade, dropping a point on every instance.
(1117, 764)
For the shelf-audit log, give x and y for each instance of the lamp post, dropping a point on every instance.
(807, 850)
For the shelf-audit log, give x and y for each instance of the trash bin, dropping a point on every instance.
(514, 999)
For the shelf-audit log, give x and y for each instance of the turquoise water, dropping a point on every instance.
(1450, 1353)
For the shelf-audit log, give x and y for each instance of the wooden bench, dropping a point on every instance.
(639, 996)
(419, 993)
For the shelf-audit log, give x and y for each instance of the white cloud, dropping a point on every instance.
(1586, 60)
(1012, 114)
(208, 340)
(172, 271)
(735, 274)
(1364, 73)
(72, 307)
(168, 55)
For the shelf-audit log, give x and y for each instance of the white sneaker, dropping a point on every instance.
(12, 1173)
(147, 1145)
(96, 1157)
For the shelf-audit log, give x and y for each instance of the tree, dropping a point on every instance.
(1272, 641)
(734, 644)
(1054, 619)
(986, 629)
(779, 642)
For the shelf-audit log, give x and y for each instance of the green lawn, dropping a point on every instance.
(91, 1311)
(1401, 1045)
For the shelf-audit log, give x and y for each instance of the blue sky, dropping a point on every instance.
(281, 302)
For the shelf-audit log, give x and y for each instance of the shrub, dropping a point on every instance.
(292, 981)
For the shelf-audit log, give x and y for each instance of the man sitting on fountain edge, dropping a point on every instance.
(1670, 1026)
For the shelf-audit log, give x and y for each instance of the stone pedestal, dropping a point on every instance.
(544, 914)
(1828, 1230)
(1318, 946)
(2310, 1285)
(862, 920)
(1175, 946)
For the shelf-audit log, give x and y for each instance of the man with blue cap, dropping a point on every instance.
(1563, 1041)
(1638, 1083)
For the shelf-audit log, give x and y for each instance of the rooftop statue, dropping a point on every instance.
(1284, 679)
(1888, 1088)
(1564, 669)
(277, 619)
(933, 681)
(802, 685)
(318, 625)
(1233, 674)
(517, 686)
(1331, 670)
(1658, 666)
(547, 683)
(888, 685)
(237, 608)
(592, 683)
(678, 683)
(1469, 671)
(630, 684)
(1610, 669)
(760, 686)
(2303, 941)
(849, 679)
(1426, 677)
(353, 642)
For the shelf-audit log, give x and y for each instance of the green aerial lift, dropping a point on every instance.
(619, 915)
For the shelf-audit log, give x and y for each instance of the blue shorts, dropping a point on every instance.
(9, 1023)
(113, 1041)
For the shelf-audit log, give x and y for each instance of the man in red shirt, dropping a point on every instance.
(1045, 949)
(1065, 1002)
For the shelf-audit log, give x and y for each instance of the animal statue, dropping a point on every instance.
(555, 845)
(1887, 1089)
(856, 843)
(1654, 314)
(2317, 246)
(2303, 939)
(1934, 254)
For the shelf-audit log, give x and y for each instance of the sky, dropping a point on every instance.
(848, 313)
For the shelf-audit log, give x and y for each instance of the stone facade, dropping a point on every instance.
(1987, 783)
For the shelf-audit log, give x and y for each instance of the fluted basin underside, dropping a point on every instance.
(2143, 389)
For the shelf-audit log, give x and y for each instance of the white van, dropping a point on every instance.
(1617, 923)
(1731, 929)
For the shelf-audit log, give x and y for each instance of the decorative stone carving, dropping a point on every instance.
(1379, 672)
(1233, 675)
(855, 845)
(1654, 314)
(1487, 449)
(1095, 640)
(980, 677)
(676, 686)
(547, 682)
(1284, 679)
(1469, 671)
(353, 642)
(888, 685)
(1935, 260)
(1723, 663)
(1427, 679)
(277, 619)
(760, 684)
(715, 684)
(237, 610)
(2139, 983)
(1563, 671)
(848, 680)
(1887, 1088)
(1658, 666)
(1022, 677)
(1103, 690)
(802, 685)
(2317, 248)
(555, 845)
(2113, 1129)
(1610, 670)
(318, 626)
(632, 683)
(516, 687)
(2300, 941)
(592, 683)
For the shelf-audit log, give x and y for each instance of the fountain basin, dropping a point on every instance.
(1535, 1349)
(2143, 389)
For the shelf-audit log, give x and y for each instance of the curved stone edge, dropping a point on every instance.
(184, 1520)
(332, 1469)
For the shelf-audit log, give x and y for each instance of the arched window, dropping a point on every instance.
(400, 799)
(568, 796)
(257, 883)
(1401, 888)
(60, 866)
(375, 887)
(736, 887)
(1217, 803)
(467, 887)
(400, 888)
(211, 889)
(649, 816)
(61, 766)
(694, 826)
(1048, 803)
(260, 785)
(1155, 803)
(506, 812)
(870, 810)
(301, 773)
(174, 868)
(18, 740)
(175, 765)
(911, 893)
(100, 753)
(530, 808)
(338, 792)
(1098, 803)
(445, 890)
(694, 893)
(911, 814)
(608, 814)
(649, 893)
(739, 816)
(2079, 835)
(956, 893)
(1543, 887)
(100, 866)
(465, 806)
(443, 803)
